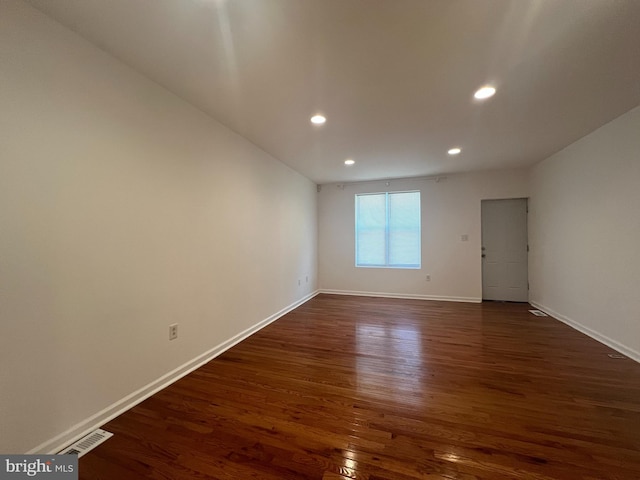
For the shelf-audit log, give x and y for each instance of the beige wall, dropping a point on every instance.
(450, 209)
(123, 209)
(584, 232)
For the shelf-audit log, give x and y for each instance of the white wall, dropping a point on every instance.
(122, 210)
(450, 208)
(584, 230)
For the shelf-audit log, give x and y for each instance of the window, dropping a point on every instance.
(388, 230)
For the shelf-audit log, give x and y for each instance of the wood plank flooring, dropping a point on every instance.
(389, 389)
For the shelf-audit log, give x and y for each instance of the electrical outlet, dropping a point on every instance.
(307, 278)
(428, 278)
(464, 238)
(299, 282)
(173, 331)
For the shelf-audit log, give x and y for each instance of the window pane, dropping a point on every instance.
(404, 229)
(370, 229)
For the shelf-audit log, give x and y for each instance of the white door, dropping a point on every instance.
(504, 250)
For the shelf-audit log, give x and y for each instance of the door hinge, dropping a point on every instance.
(527, 248)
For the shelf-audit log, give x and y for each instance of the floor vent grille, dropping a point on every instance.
(617, 356)
(539, 313)
(87, 443)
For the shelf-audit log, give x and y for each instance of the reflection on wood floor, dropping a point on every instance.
(390, 389)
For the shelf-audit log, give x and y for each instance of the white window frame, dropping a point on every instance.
(387, 233)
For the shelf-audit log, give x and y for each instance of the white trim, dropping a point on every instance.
(84, 427)
(609, 342)
(414, 296)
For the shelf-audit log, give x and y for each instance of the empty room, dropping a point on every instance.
(320, 239)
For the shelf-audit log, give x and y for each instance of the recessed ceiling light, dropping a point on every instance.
(318, 119)
(485, 92)
(349, 162)
(454, 151)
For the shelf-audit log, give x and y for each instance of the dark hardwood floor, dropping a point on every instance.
(389, 389)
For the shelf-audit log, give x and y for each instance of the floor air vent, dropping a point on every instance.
(539, 313)
(87, 443)
(617, 356)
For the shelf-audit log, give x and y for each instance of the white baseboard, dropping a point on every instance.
(82, 428)
(403, 295)
(609, 342)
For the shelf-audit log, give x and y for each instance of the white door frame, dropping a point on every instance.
(505, 249)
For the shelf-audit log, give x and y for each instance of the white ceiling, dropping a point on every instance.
(395, 78)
